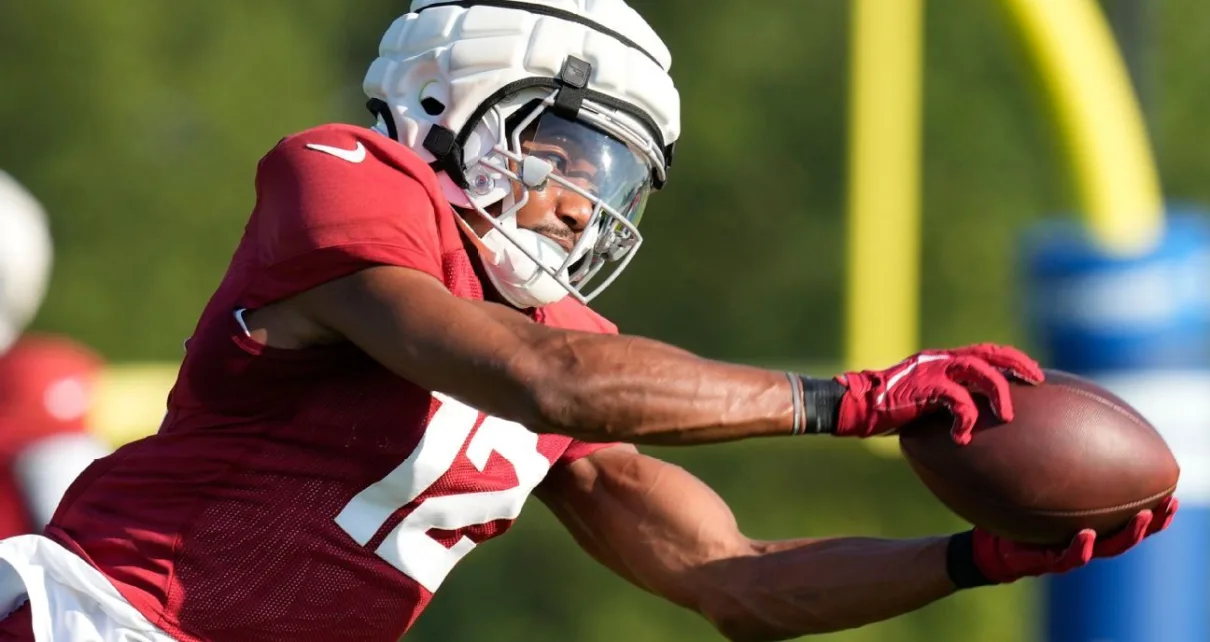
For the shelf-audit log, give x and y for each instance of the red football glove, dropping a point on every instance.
(1001, 561)
(878, 402)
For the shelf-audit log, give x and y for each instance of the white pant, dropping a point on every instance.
(69, 600)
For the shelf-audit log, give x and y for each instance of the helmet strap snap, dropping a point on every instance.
(573, 81)
(447, 154)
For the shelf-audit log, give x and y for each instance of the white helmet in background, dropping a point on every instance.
(462, 83)
(25, 258)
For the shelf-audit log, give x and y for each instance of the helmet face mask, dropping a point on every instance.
(502, 100)
(611, 166)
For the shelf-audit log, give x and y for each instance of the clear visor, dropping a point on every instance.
(603, 166)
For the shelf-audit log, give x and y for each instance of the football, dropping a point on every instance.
(1075, 456)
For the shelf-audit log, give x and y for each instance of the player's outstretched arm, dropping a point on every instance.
(594, 387)
(599, 387)
(667, 532)
(664, 530)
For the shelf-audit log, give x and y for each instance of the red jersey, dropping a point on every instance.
(311, 494)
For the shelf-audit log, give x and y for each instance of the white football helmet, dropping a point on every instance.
(467, 84)
(25, 258)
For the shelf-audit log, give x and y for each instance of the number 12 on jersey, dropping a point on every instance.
(408, 546)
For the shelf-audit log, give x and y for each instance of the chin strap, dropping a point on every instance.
(447, 151)
(484, 251)
(386, 121)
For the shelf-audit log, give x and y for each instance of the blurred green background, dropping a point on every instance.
(139, 125)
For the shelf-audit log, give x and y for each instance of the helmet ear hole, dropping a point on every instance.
(432, 106)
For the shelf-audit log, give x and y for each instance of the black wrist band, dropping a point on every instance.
(960, 562)
(820, 404)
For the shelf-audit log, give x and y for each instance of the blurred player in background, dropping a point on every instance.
(400, 354)
(46, 382)
(47, 386)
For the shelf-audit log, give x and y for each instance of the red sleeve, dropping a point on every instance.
(320, 215)
(580, 449)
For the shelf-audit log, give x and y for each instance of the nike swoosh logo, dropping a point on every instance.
(898, 376)
(355, 155)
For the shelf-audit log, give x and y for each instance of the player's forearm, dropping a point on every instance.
(789, 589)
(611, 388)
(592, 386)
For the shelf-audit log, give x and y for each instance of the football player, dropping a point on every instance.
(47, 386)
(46, 381)
(400, 353)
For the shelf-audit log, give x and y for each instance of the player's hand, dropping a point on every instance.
(1001, 561)
(881, 401)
